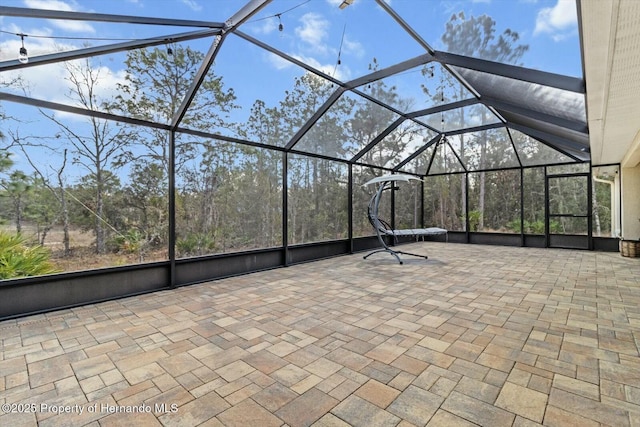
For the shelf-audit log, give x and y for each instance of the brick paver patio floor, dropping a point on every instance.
(476, 335)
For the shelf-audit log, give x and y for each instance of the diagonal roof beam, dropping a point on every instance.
(513, 147)
(558, 81)
(382, 135)
(248, 10)
(232, 23)
(385, 6)
(563, 145)
(444, 107)
(288, 58)
(475, 129)
(417, 152)
(102, 17)
(464, 168)
(316, 116)
(537, 115)
(389, 71)
(201, 74)
(106, 49)
(77, 110)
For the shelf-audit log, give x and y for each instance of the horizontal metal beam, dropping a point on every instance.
(475, 129)
(317, 156)
(558, 143)
(444, 107)
(102, 17)
(106, 49)
(80, 111)
(209, 135)
(248, 143)
(558, 81)
(389, 71)
(537, 115)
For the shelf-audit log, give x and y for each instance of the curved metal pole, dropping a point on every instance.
(374, 206)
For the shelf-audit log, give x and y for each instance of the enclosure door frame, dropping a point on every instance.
(568, 241)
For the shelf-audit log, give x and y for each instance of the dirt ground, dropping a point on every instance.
(83, 256)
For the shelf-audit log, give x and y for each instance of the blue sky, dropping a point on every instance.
(315, 31)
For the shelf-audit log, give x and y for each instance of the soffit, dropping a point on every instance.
(611, 46)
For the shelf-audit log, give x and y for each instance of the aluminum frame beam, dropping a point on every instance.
(80, 111)
(316, 116)
(237, 19)
(389, 71)
(103, 17)
(382, 135)
(246, 12)
(106, 49)
(475, 129)
(201, 74)
(288, 58)
(419, 151)
(559, 81)
(537, 115)
(444, 107)
(553, 141)
(385, 6)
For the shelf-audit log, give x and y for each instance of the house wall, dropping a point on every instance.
(631, 202)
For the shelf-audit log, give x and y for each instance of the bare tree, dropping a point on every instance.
(96, 145)
(57, 189)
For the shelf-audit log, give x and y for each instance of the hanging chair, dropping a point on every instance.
(383, 228)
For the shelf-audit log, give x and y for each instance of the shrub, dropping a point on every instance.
(129, 243)
(474, 220)
(196, 244)
(535, 227)
(18, 259)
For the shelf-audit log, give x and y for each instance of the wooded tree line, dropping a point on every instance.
(229, 196)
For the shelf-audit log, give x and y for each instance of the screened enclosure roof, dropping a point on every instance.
(406, 101)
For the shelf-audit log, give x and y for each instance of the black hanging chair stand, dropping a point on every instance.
(384, 229)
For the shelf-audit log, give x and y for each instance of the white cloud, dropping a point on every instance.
(50, 5)
(341, 72)
(277, 62)
(38, 79)
(559, 21)
(314, 31)
(353, 47)
(71, 26)
(266, 26)
(193, 5)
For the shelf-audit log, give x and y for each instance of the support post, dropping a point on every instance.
(285, 207)
(522, 242)
(172, 209)
(350, 208)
